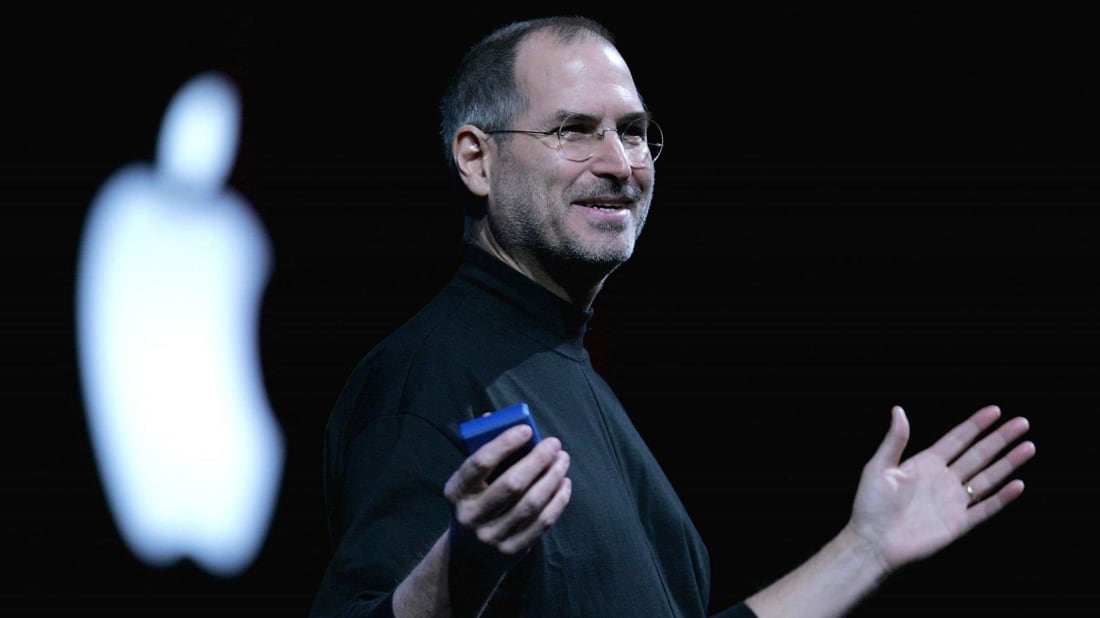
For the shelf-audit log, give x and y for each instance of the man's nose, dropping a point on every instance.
(611, 156)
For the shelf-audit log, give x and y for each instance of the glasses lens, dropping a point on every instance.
(642, 140)
(578, 141)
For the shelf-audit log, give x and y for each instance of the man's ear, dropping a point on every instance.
(471, 158)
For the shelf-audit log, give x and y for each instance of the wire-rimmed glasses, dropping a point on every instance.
(579, 136)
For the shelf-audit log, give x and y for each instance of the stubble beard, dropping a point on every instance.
(534, 223)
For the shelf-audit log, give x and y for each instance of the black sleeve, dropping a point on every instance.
(390, 512)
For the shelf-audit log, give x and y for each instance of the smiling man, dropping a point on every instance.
(545, 128)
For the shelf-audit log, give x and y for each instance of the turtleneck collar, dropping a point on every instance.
(514, 297)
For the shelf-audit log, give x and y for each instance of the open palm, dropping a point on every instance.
(911, 509)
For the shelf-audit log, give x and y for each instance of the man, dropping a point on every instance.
(547, 131)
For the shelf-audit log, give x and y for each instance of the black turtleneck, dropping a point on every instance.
(491, 338)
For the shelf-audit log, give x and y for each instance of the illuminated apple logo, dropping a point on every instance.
(171, 274)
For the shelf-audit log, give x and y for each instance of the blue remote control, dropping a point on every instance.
(476, 432)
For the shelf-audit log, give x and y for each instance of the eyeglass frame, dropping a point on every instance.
(598, 133)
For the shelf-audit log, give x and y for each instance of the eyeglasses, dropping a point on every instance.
(578, 139)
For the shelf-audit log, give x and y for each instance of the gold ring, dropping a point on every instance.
(970, 492)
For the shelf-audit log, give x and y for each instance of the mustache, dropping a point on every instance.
(606, 188)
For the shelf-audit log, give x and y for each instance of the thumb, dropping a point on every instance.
(897, 437)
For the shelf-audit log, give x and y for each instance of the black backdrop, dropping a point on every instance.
(854, 209)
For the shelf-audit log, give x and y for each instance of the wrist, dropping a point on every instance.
(864, 548)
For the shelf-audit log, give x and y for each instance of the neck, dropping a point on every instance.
(577, 282)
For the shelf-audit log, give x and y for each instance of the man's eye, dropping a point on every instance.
(634, 132)
(575, 132)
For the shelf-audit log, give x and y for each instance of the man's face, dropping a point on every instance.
(546, 208)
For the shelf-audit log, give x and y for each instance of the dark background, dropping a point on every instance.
(855, 209)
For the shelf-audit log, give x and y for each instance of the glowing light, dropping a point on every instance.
(170, 279)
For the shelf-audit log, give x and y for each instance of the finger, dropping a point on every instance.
(993, 476)
(515, 482)
(527, 535)
(471, 477)
(889, 451)
(978, 456)
(486, 459)
(954, 442)
(993, 504)
(530, 505)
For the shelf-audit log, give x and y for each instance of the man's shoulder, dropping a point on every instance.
(426, 365)
(435, 330)
(435, 341)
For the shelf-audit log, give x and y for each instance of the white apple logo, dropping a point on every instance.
(171, 273)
